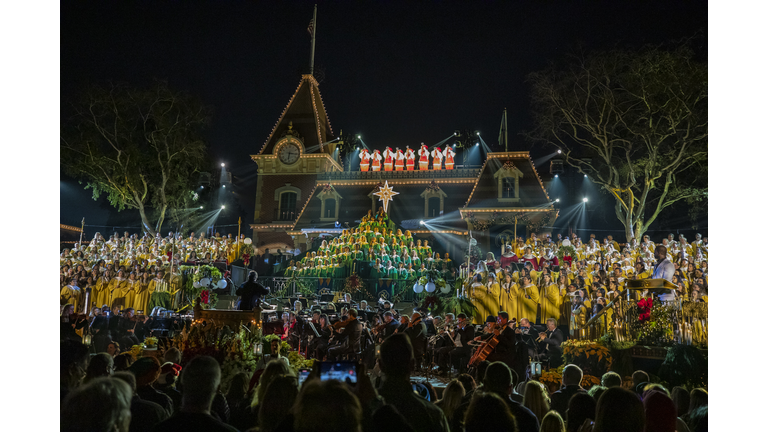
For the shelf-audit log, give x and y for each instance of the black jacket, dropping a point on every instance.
(352, 335)
(466, 335)
(389, 329)
(561, 398)
(250, 293)
(418, 334)
(553, 340)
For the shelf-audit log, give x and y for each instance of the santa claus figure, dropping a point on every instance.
(365, 160)
(449, 154)
(389, 159)
(437, 158)
(410, 158)
(376, 161)
(423, 157)
(399, 159)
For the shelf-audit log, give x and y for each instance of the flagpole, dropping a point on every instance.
(506, 132)
(314, 30)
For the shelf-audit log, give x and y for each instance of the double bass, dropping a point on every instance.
(487, 348)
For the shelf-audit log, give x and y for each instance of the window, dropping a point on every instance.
(287, 206)
(331, 203)
(508, 190)
(330, 208)
(433, 207)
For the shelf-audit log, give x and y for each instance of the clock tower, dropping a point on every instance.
(300, 147)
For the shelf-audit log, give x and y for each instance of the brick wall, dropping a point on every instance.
(271, 183)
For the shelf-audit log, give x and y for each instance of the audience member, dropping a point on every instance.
(240, 414)
(388, 419)
(397, 363)
(123, 362)
(327, 406)
(452, 397)
(571, 381)
(552, 422)
(166, 383)
(682, 399)
(103, 404)
(660, 412)
(73, 362)
(699, 398)
(536, 399)
(101, 365)
(581, 407)
(274, 369)
(638, 378)
(200, 381)
(469, 385)
(278, 399)
(498, 380)
(144, 414)
(596, 391)
(619, 410)
(489, 412)
(146, 370)
(610, 379)
(173, 355)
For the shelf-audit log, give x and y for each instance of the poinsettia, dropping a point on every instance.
(204, 296)
(246, 258)
(645, 305)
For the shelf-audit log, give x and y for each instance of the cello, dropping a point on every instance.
(487, 348)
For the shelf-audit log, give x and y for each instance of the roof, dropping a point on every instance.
(531, 188)
(306, 112)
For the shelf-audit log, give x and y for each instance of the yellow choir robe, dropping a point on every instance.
(72, 295)
(142, 297)
(118, 288)
(492, 299)
(131, 288)
(478, 296)
(550, 303)
(508, 300)
(100, 292)
(528, 306)
(578, 319)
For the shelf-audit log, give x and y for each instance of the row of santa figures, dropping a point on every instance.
(398, 160)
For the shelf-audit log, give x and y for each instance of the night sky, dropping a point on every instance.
(395, 72)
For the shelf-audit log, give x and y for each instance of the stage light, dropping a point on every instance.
(585, 199)
(358, 137)
(222, 207)
(421, 223)
(478, 133)
(201, 207)
(557, 200)
(477, 144)
(201, 187)
(556, 175)
(357, 148)
(559, 151)
(222, 164)
(585, 176)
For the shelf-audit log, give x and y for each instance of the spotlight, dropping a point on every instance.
(222, 164)
(421, 223)
(223, 186)
(201, 207)
(559, 151)
(358, 137)
(201, 187)
(455, 134)
(222, 207)
(477, 133)
(556, 175)
(557, 200)
(585, 199)
(585, 176)
(357, 148)
(477, 144)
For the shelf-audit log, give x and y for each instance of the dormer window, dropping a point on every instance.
(508, 183)
(331, 203)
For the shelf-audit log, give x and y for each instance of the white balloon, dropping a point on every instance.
(446, 289)
(196, 284)
(247, 241)
(566, 242)
(430, 287)
(418, 288)
(205, 281)
(222, 283)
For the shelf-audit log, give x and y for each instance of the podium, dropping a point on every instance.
(654, 286)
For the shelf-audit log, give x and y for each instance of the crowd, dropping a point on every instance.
(102, 393)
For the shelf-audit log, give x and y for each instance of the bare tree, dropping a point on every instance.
(142, 147)
(634, 122)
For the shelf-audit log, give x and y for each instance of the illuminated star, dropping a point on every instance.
(386, 194)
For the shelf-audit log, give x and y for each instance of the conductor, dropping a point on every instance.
(251, 292)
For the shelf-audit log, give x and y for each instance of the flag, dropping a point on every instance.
(311, 26)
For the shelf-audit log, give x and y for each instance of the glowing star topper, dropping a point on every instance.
(386, 194)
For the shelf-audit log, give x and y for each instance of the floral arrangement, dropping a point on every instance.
(353, 284)
(284, 347)
(201, 293)
(150, 341)
(566, 251)
(591, 357)
(298, 361)
(136, 351)
(656, 327)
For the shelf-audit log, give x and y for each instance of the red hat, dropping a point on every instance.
(169, 372)
(438, 148)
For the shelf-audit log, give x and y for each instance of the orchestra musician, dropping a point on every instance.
(505, 349)
(319, 345)
(350, 337)
(388, 328)
(549, 343)
(459, 350)
(126, 328)
(417, 332)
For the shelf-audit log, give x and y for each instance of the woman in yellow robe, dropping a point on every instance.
(479, 293)
(528, 298)
(492, 295)
(101, 290)
(508, 297)
(132, 288)
(118, 287)
(142, 295)
(550, 299)
(578, 316)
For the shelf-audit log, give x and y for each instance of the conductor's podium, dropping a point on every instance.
(232, 318)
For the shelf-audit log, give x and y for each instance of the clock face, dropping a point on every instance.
(289, 154)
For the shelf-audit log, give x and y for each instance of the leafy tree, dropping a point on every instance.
(142, 147)
(635, 122)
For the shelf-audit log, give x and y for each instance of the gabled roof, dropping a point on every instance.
(531, 187)
(306, 111)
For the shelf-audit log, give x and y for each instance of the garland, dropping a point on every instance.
(522, 219)
(433, 186)
(566, 251)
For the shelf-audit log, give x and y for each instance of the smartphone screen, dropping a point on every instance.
(303, 375)
(341, 371)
